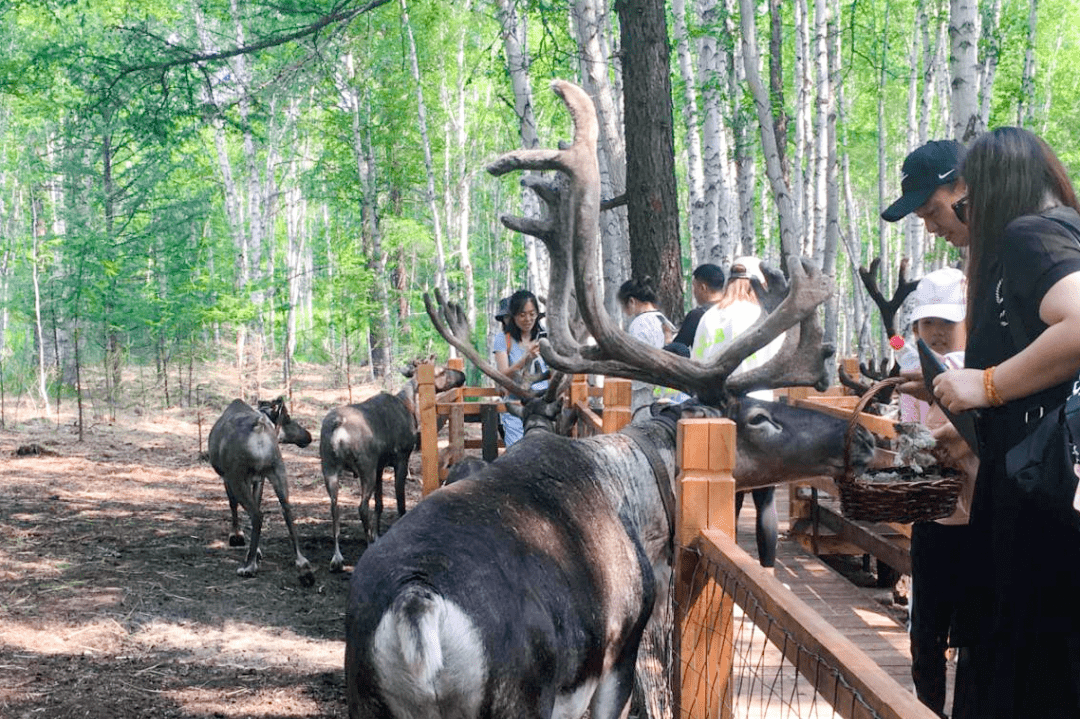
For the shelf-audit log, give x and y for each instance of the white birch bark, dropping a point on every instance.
(882, 142)
(931, 72)
(790, 227)
(42, 377)
(744, 150)
(822, 108)
(694, 168)
(590, 25)
(715, 143)
(463, 185)
(964, 68)
(430, 194)
(516, 50)
(801, 183)
(913, 230)
(991, 32)
(1025, 111)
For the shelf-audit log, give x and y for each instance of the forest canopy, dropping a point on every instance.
(281, 182)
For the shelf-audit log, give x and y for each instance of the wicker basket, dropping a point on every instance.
(917, 500)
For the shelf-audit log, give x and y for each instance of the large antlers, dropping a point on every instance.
(571, 236)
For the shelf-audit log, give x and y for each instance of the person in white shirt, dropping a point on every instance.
(736, 311)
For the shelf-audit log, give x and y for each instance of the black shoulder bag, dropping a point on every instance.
(1044, 464)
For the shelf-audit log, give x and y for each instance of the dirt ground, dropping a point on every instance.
(118, 591)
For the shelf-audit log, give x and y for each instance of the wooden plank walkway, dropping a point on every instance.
(771, 690)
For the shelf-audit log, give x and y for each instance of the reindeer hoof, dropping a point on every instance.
(237, 540)
(337, 564)
(307, 577)
(247, 571)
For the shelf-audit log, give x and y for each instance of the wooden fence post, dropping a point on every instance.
(616, 404)
(429, 428)
(706, 500)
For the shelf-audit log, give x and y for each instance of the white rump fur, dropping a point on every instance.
(429, 657)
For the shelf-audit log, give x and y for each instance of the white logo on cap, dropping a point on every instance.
(903, 176)
(946, 174)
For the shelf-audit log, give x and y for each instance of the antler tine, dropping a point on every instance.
(799, 363)
(888, 308)
(552, 230)
(456, 331)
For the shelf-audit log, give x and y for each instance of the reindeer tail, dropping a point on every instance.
(418, 614)
(428, 650)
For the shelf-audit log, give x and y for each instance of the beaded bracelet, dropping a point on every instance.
(988, 386)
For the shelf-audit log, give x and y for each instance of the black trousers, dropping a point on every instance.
(940, 554)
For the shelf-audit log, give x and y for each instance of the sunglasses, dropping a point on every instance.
(960, 207)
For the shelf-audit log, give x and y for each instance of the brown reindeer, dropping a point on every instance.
(524, 590)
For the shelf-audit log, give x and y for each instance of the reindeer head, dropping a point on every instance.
(288, 431)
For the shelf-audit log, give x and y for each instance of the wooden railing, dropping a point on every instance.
(714, 578)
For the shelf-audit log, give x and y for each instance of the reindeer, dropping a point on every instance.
(243, 448)
(524, 591)
(367, 437)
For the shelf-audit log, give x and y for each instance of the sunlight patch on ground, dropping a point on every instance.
(94, 638)
(243, 644)
(245, 703)
(15, 569)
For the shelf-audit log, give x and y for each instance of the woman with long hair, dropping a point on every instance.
(517, 352)
(1022, 355)
(738, 309)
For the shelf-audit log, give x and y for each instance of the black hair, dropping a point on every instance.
(518, 302)
(711, 275)
(1009, 172)
(638, 288)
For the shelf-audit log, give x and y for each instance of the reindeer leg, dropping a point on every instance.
(369, 479)
(332, 479)
(236, 537)
(401, 473)
(281, 488)
(249, 494)
(378, 497)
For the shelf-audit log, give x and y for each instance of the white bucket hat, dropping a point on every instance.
(747, 268)
(941, 294)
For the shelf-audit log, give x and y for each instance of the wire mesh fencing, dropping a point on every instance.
(746, 649)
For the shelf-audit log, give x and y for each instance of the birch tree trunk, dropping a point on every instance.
(822, 104)
(1025, 110)
(790, 226)
(801, 185)
(991, 33)
(715, 144)
(913, 230)
(695, 180)
(35, 233)
(882, 141)
(964, 68)
(516, 50)
(744, 151)
(430, 195)
(463, 183)
(589, 19)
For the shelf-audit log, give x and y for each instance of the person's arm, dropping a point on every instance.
(1051, 359)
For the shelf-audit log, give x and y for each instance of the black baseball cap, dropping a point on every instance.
(934, 164)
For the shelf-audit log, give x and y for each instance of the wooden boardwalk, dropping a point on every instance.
(768, 687)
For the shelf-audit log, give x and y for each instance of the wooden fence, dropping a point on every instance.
(717, 586)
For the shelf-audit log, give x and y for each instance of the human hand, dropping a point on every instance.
(914, 385)
(960, 389)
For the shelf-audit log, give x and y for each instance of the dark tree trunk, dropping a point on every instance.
(652, 200)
